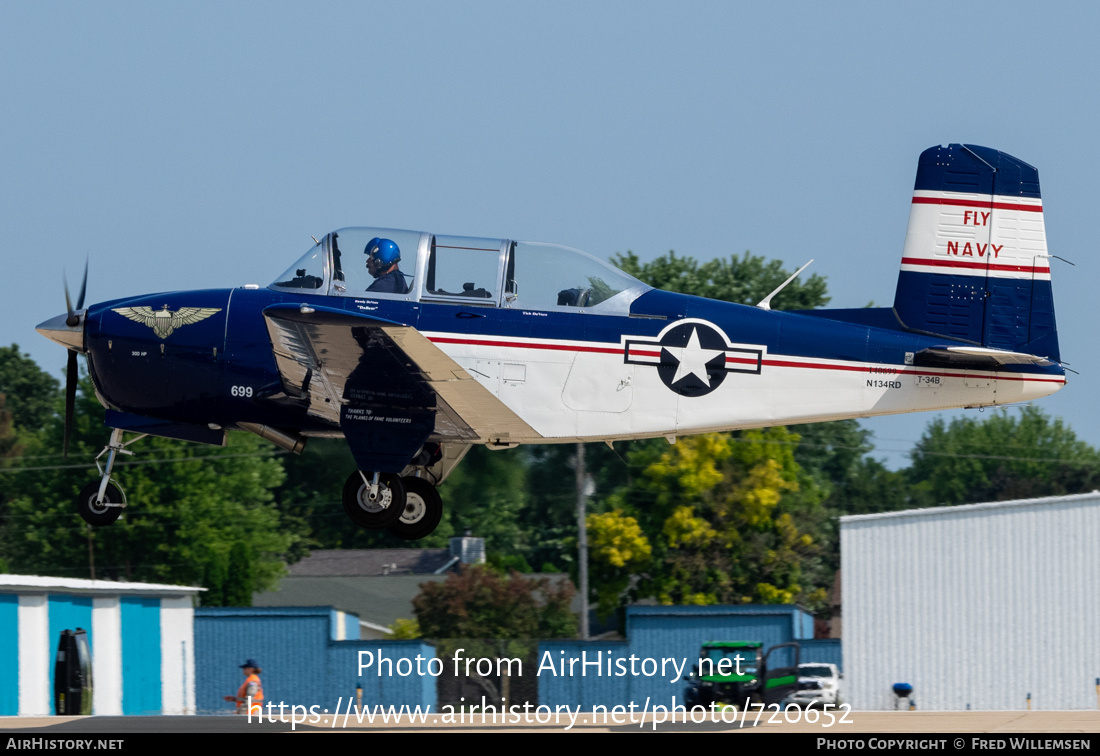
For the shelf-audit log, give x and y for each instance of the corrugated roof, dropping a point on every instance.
(264, 611)
(370, 562)
(963, 508)
(379, 600)
(47, 584)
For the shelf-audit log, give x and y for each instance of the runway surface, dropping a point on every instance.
(923, 722)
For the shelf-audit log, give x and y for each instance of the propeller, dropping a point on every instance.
(71, 375)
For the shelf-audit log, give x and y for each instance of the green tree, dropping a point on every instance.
(405, 629)
(479, 602)
(242, 575)
(8, 443)
(488, 615)
(1002, 455)
(312, 493)
(506, 563)
(836, 457)
(551, 496)
(189, 505)
(722, 513)
(744, 280)
(483, 495)
(214, 578)
(618, 551)
(33, 396)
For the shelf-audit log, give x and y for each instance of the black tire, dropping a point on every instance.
(374, 514)
(423, 510)
(97, 514)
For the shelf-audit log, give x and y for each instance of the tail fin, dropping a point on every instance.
(975, 264)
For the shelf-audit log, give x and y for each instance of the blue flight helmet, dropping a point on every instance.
(381, 254)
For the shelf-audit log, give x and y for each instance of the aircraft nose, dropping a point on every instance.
(58, 330)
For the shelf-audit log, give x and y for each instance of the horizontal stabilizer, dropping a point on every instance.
(979, 358)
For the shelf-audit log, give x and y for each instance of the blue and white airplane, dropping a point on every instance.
(413, 346)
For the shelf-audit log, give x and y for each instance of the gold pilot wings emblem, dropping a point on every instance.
(163, 321)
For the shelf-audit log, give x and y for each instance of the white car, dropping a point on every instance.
(817, 684)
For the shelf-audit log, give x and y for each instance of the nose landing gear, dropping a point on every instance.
(101, 503)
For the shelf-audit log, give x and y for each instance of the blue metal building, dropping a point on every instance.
(309, 656)
(673, 633)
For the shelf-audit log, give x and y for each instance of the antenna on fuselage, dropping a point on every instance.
(311, 236)
(766, 302)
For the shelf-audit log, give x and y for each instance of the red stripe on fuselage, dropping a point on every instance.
(768, 362)
(901, 371)
(520, 345)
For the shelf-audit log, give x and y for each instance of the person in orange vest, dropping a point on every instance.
(251, 687)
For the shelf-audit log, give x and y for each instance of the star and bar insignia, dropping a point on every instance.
(692, 357)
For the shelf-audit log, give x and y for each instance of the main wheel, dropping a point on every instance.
(99, 514)
(380, 512)
(423, 510)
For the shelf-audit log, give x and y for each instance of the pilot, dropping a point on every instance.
(382, 259)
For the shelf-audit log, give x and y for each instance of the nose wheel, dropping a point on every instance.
(97, 511)
(374, 500)
(423, 510)
(101, 502)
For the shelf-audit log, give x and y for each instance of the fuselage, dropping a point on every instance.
(673, 364)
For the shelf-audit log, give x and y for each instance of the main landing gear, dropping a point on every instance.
(374, 501)
(423, 510)
(408, 507)
(101, 503)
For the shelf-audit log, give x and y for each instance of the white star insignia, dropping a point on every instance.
(693, 359)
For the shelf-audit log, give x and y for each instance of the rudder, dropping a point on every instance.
(975, 265)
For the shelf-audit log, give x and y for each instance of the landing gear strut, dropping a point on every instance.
(101, 503)
(374, 500)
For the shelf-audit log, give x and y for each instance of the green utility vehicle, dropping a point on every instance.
(738, 672)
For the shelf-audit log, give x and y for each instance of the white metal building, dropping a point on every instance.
(140, 635)
(976, 605)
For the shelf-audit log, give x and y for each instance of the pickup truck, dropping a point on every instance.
(817, 684)
(736, 673)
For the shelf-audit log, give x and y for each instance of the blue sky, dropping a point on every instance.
(195, 145)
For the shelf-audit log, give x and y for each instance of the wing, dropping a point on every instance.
(338, 361)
